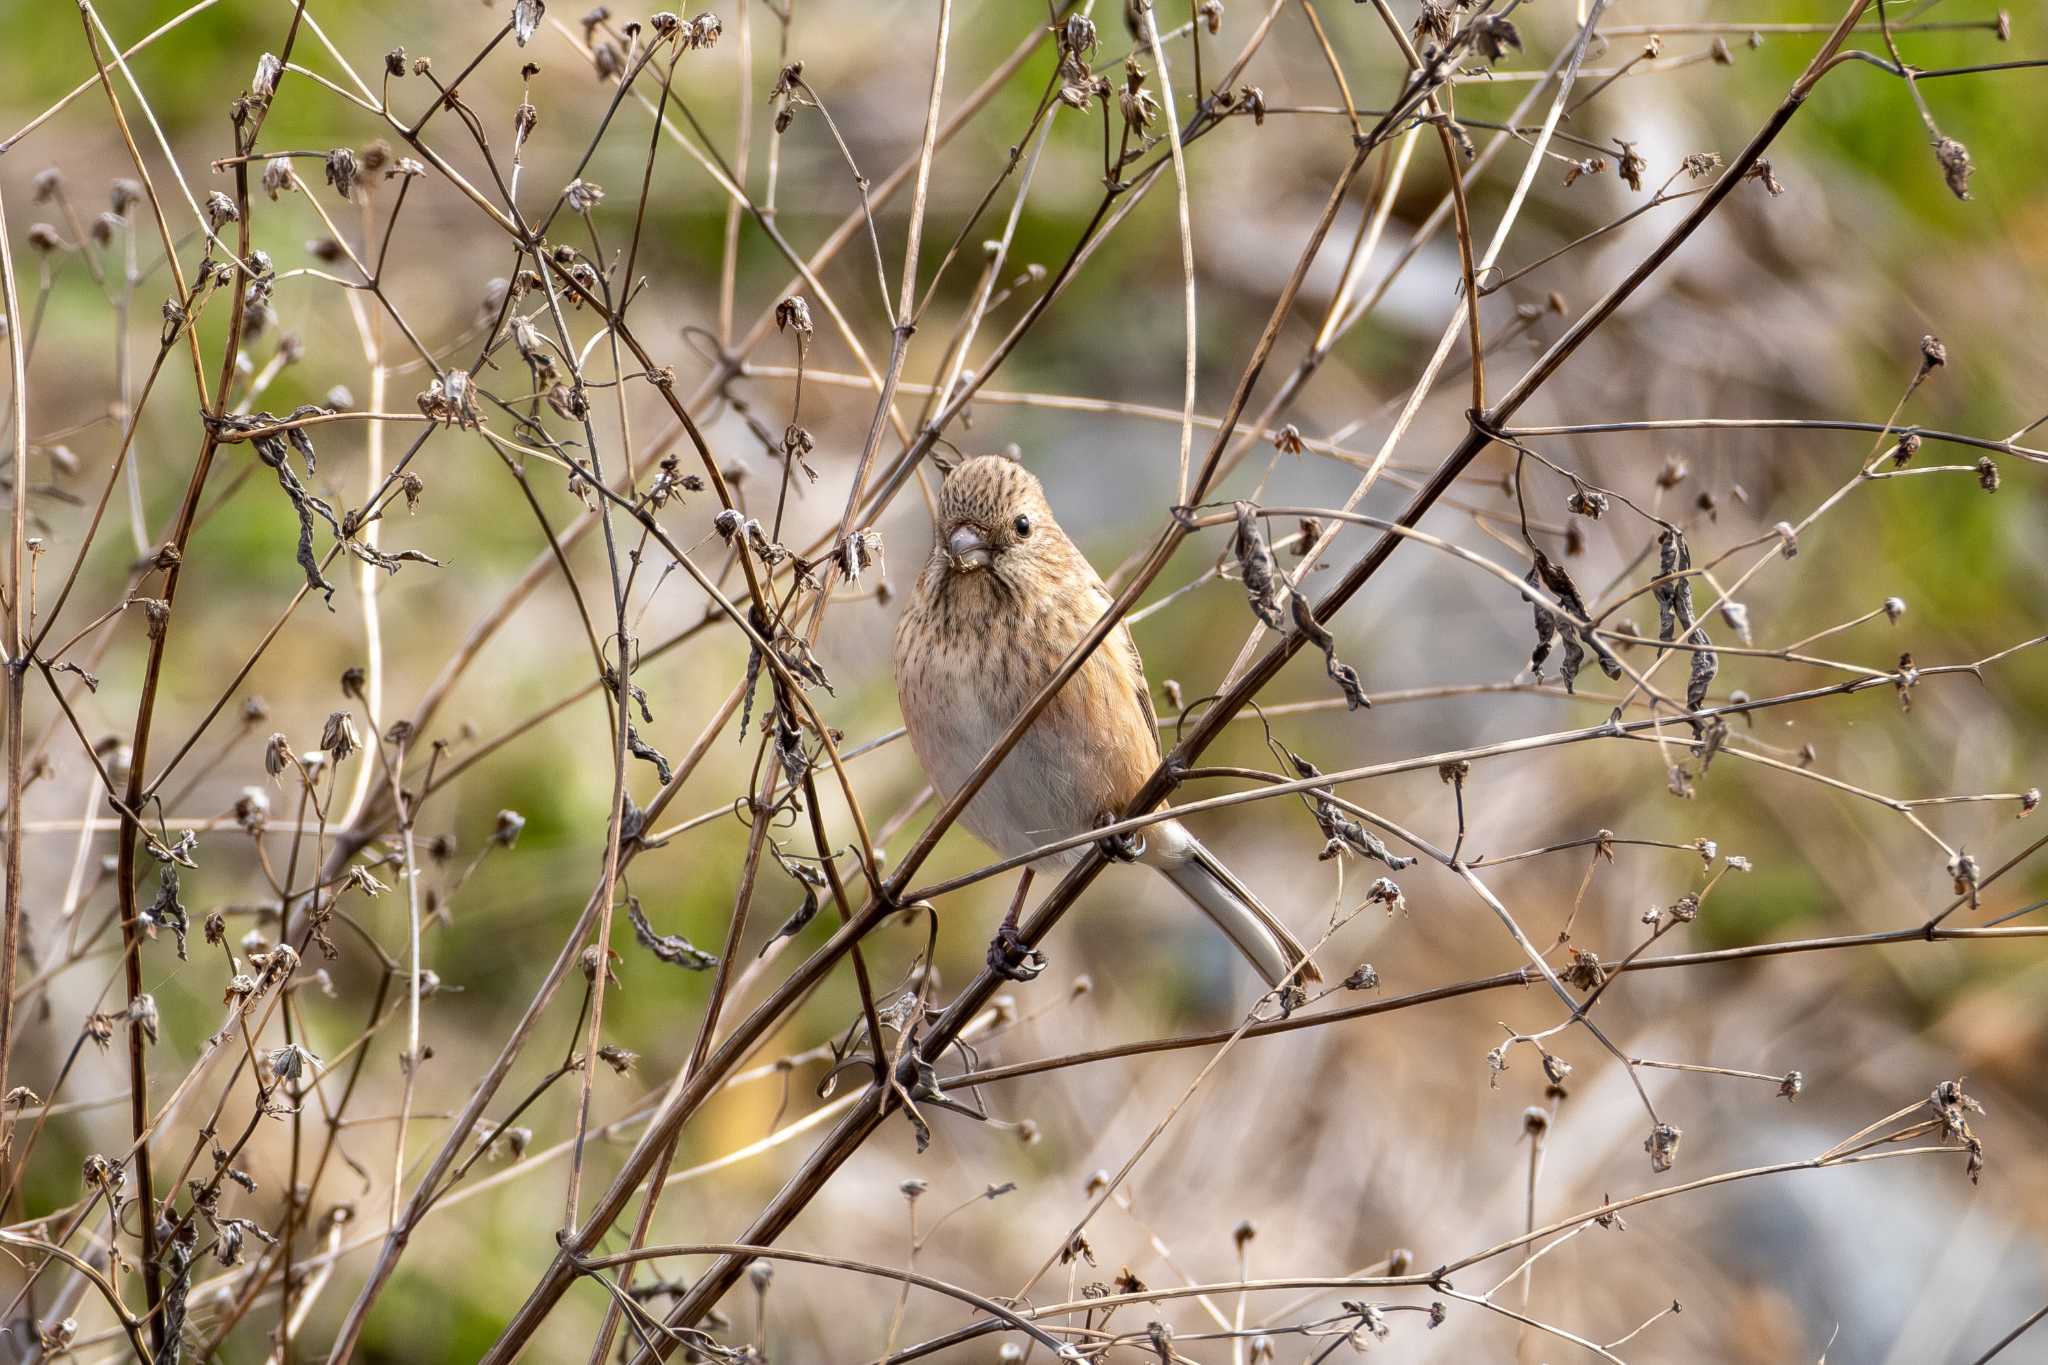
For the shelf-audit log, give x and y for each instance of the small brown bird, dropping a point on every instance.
(1002, 601)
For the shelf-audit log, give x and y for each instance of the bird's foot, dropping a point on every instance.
(1127, 847)
(1010, 957)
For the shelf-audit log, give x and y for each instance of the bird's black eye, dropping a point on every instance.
(1022, 526)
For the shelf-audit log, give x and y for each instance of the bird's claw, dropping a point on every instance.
(1126, 847)
(1011, 958)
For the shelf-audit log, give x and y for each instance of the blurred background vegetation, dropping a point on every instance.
(1340, 1143)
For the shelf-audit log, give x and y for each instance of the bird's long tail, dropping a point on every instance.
(1215, 889)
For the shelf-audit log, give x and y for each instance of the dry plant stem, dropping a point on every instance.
(39, 120)
(130, 1325)
(1438, 1279)
(621, 699)
(716, 1062)
(1521, 976)
(492, 622)
(1187, 239)
(855, 1128)
(2007, 446)
(431, 1183)
(1608, 730)
(1440, 112)
(2015, 1334)
(1116, 1180)
(902, 320)
(866, 1117)
(16, 664)
(1566, 70)
(1017, 1321)
(139, 745)
(721, 982)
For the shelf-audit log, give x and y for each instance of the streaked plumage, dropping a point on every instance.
(1002, 601)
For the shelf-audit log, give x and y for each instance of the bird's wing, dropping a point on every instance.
(1144, 692)
(1135, 663)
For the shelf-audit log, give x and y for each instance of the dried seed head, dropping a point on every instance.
(1737, 617)
(526, 15)
(1077, 96)
(1987, 474)
(1956, 166)
(44, 237)
(1077, 35)
(451, 398)
(142, 1013)
(1933, 354)
(343, 168)
(338, 737)
(264, 83)
(252, 811)
(1584, 970)
(1139, 108)
(794, 313)
(1662, 1145)
(1761, 171)
(583, 195)
(1632, 166)
(394, 63)
(1436, 23)
(220, 209)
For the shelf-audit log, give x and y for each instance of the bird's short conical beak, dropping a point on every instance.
(968, 548)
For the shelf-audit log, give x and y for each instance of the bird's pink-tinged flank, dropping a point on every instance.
(1004, 599)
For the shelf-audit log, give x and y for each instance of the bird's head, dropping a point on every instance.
(992, 517)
